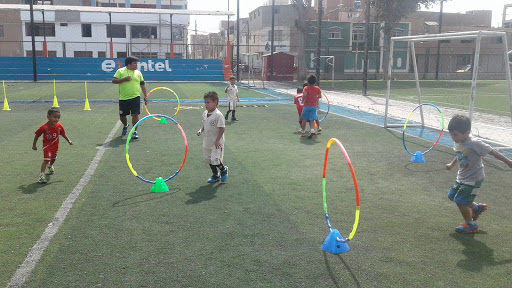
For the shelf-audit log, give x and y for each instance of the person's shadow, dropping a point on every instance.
(203, 193)
(33, 187)
(478, 254)
(354, 283)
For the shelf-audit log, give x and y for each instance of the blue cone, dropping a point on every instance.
(418, 157)
(334, 246)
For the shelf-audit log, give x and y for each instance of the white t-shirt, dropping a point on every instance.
(212, 125)
(469, 157)
(232, 92)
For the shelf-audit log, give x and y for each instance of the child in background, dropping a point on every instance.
(232, 92)
(311, 95)
(471, 171)
(51, 131)
(213, 141)
(299, 103)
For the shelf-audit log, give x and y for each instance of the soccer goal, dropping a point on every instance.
(478, 35)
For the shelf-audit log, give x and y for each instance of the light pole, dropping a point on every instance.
(439, 42)
(319, 42)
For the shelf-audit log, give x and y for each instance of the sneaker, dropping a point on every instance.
(302, 133)
(311, 134)
(466, 228)
(125, 129)
(319, 128)
(224, 174)
(234, 119)
(51, 170)
(214, 178)
(42, 179)
(135, 135)
(478, 210)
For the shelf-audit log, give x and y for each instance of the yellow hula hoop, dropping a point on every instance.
(165, 88)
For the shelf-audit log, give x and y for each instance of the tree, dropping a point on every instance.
(391, 12)
(302, 7)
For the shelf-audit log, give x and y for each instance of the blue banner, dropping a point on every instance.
(103, 69)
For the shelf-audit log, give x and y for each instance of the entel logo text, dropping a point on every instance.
(110, 65)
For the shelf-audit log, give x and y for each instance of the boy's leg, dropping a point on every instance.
(215, 175)
(227, 115)
(464, 200)
(51, 170)
(233, 118)
(43, 166)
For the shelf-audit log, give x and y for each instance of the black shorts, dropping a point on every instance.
(130, 106)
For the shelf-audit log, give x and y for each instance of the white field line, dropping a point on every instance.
(25, 269)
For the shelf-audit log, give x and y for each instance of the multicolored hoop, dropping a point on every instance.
(165, 88)
(128, 147)
(438, 138)
(328, 107)
(356, 221)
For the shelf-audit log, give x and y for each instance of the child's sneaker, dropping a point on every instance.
(302, 133)
(135, 135)
(234, 119)
(311, 134)
(478, 210)
(42, 179)
(224, 174)
(319, 129)
(213, 179)
(51, 170)
(125, 129)
(467, 228)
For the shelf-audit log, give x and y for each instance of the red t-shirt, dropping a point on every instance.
(312, 95)
(50, 135)
(299, 102)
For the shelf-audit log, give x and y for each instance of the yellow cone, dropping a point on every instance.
(87, 108)
(55, 103)
(6, 105)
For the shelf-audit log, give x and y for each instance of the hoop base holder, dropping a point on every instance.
(418, 157)
(332, 245)
(159, 186)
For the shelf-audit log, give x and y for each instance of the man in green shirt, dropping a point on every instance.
(130, 82)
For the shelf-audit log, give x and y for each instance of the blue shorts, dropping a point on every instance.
(309, 113)
(463, 194)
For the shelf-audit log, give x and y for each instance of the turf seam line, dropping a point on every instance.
(35, 253)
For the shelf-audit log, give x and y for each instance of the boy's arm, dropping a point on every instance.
(200, 131)
(501, 157)
(119, 81)
(143, 87)
(219, 136)
(452, 164)
(67, 139)
(226, 90)
(34, 144)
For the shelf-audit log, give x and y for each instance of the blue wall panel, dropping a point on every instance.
(101, 69)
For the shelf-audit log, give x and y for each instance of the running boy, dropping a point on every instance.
(51, 131)
(232, 92)
(213, 141)
(299, 103)
(471, 171)
(311, 95)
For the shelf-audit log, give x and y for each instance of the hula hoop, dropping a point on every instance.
(157, 88)
(328, 108)
(438, 138)
(356, 221)
(128, 147)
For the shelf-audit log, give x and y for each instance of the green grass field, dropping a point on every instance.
(263, 228)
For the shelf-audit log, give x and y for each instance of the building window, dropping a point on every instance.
(102, 54)
(86, 30)
(276, 10)
(146, 54)
(445, 41)
(312, 30)
(278, 35)
(48, 29)
(143, 32)
(87, 54)
(121, 54)
(116, 31)
(2, 31)
(358, 34)
(398, 32)
(335, 33)
(467, 41)
(496, 40)
(39, 53)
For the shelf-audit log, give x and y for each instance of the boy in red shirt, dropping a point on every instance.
(298, 101)
(310, 96)
(51, 131)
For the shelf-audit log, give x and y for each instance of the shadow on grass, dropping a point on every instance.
(116, 142)
(310, 141)
(333, 278)
(33, 187)
(203, 193)
(478, 254)
(146, 197)
(427, 167)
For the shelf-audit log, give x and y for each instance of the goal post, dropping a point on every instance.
(478, 35)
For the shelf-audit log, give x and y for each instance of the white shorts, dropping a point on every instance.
(232, 104)
(213, 156)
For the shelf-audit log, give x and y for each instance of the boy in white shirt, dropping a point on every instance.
(232, 92)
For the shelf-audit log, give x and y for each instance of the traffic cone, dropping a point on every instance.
(418, 157)
(162, 121)
(55, 103)
(86, 108)
(6, 104)
(332, 245)
(159, 186)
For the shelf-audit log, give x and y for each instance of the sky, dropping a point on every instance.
(207, 24)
